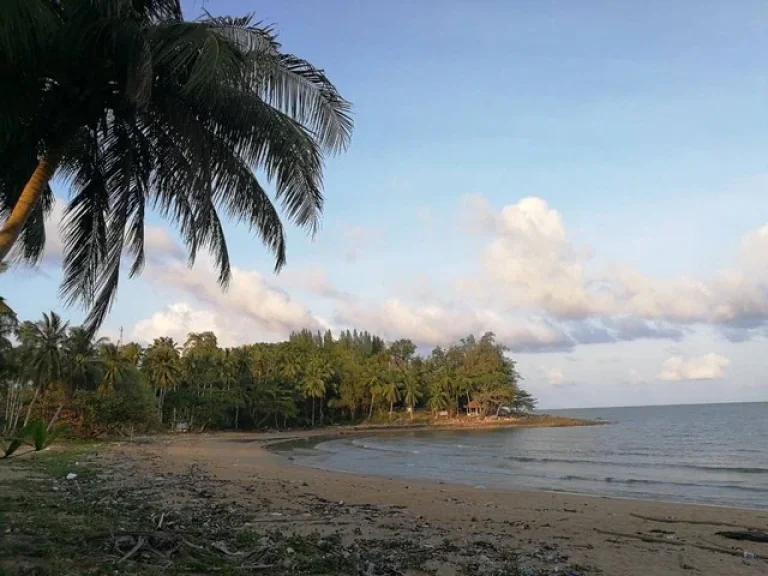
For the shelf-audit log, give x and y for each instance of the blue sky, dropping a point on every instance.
(587, 179)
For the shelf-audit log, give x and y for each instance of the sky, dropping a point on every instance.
(585, 179)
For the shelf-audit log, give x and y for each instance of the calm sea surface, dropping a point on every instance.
(710, 454)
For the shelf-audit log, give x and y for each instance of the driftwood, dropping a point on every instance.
(139, 543)
(651, 539)
(750, 535)
(693, 522)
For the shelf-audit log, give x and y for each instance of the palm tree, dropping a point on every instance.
(439, 400)
(315, 378)
(115, 366)
(391, 393)
(412, 393)
(375, 388)
(42, 350)
(291, 366)
(132, 352)
(141, 109)
(163, 367)
(81, 359)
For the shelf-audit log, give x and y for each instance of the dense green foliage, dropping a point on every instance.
(138, 110)
(57, 371)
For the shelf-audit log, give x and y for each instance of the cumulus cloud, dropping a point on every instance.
(315, 280)
(177, 321)
(529, 263)
(708, 367)
(531, 259)
(554, 376)
(249, 299)
(159, 244)
(443, 323)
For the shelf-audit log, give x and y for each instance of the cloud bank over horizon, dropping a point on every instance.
(525, 279)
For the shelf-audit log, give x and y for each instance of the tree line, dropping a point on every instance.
(57, 372)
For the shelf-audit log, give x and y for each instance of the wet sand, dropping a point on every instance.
(551, 531)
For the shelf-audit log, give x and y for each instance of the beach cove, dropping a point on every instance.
(551, 532)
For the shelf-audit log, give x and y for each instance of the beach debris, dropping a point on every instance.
(71, 476)
(221, 546)
(671, 520)
(750, 535)
(139, 543)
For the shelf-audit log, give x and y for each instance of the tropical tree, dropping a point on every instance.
(140, 110)
(162, 365)
(391, 393)
(42, 355)
(411, 392)
(291, 365)
(115, 367)
(524, 401)
(314, 381)
(81, 360)
(132, 351)
(376, 373)
(438, 400)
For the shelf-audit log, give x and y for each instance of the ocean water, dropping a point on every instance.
(708, 454)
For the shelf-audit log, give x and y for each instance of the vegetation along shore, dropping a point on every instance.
(61, 375)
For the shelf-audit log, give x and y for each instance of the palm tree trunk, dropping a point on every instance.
(29, 198)
(391, 406)
(18, 408)
(32, 403)
(55, 417)
(370, 412)
(8, 404)
(313, 411)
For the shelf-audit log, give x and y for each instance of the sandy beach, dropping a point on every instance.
(556, 532)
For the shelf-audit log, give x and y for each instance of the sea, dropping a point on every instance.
(715, 454)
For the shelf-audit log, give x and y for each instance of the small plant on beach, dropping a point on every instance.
(10, 445)
(40, 437)
(35, 434)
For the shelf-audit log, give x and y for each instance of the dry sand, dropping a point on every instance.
(551, 530)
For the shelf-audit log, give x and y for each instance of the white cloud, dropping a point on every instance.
(532, 262)
(554, 376)
(315, 280)
(444, 323)
(708, 367)
(159, 244)
(529, 263)
(178, 320)
(248, 300)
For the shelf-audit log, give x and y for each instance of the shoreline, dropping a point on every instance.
(228, 503)
(622, 536)
(465, 423)
(272, 447)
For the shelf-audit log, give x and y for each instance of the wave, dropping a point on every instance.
(382, 448)
(647, 482)
(734, 469)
